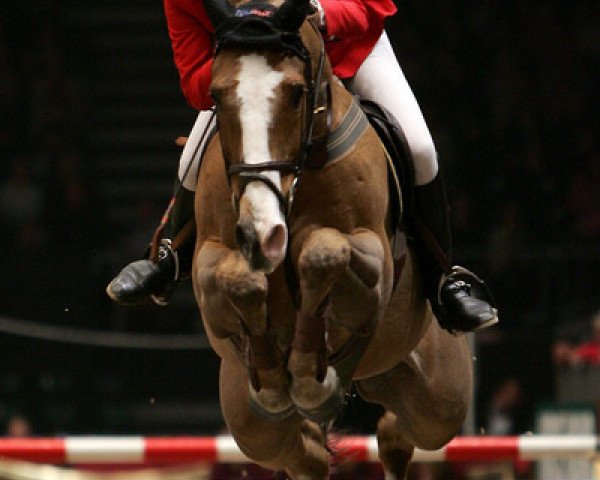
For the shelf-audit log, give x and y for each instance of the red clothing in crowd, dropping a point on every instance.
(588, 352)
(354, 26)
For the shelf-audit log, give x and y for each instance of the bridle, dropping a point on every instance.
(317, 99)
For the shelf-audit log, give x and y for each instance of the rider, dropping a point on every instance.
(361, 54)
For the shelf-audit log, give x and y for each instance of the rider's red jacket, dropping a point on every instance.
(353, 28)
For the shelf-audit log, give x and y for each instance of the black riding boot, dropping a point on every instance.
(449, 289)
(144, 280)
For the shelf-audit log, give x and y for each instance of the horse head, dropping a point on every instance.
(263, 86)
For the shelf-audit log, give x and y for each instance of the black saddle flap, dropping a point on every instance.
(394, 141)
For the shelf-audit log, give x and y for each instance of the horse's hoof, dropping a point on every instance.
(328, 410)
(271, 405)
(330, 407)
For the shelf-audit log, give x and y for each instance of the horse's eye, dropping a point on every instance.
(296, 94)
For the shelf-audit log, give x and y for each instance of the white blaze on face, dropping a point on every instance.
(257, 82)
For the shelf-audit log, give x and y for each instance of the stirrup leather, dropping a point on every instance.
(164, 297)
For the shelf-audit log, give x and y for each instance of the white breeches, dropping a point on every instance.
(379, 79)
(190, 157)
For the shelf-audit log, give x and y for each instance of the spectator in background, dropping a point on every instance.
(506, 415)
(562, 352)
(503, 406)
(587, 352)
(18, 426)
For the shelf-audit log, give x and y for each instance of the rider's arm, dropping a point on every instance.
(191, 40)
(345, 19)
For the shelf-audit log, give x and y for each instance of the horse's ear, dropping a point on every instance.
(291, 14)
(218, 11)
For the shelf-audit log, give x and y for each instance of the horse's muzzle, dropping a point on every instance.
(263, 250)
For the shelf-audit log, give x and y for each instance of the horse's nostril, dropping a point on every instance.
(274, 242)
(240, 236)
(262, 251)
(247, 240)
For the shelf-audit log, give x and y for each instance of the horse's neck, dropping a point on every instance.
(341, 99)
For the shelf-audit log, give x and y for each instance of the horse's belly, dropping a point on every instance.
(403, 325)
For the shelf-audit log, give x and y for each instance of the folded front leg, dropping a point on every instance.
(342, 280)
(227, 281)
(316, 390)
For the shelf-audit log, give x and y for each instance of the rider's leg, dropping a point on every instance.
(143, 280)
(381, 79)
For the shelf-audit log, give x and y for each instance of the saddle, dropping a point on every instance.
(401, 172)
(401, 175)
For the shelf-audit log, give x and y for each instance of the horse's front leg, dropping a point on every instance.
(243, 292)
(328, 258)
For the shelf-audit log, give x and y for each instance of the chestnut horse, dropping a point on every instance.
(294, 269)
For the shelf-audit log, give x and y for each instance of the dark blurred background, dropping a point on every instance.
(91, 107)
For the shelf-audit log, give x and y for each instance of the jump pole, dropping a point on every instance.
(222, 449)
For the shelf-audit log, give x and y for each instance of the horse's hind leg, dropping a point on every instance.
(426, 398)
(292, 444)
(394, 452)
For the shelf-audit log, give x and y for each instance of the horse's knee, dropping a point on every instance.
(235, 278)
(357, 297)
(367, 260)
(218, 314)
(246, 289)
(329, 251)
(325, 255)
(206, 261)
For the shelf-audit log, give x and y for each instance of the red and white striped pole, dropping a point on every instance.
(222, 449)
